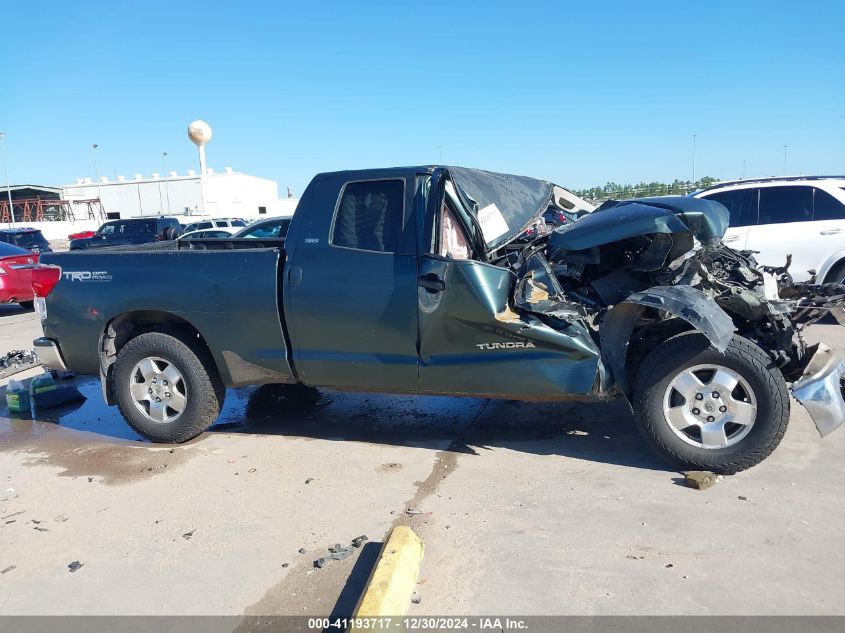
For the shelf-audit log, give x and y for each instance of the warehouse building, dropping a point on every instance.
(225, 194)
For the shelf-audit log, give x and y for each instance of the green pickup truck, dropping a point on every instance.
(421, 280)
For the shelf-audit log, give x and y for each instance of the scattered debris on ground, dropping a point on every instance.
(309, 480)
(413, 511)
(8, 569)
(17, 361)
(742, 498)
(72, 567)
(700, 479)
(187, 535)
(301, 550)
(339, 552)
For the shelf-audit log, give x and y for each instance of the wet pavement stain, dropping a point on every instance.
(91, 439)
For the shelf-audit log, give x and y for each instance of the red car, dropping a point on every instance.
(81, 235)
(16, 266)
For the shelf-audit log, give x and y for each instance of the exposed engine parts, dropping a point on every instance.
(623, 248)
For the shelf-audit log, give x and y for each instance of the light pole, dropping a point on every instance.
(785, 147)
(743, 170)
(97, 169)
(166, 181)
(440, 154)
(693, 159)
(8, 188)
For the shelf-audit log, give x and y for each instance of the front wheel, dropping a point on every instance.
(167, 390)
(701, 409)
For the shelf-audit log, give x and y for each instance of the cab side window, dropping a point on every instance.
(370, 215)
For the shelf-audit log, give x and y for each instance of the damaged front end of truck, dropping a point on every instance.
(634, 273)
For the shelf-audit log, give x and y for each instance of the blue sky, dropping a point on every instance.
(576, 93)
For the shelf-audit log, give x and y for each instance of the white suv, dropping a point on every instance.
(802, 216)
(216, 223)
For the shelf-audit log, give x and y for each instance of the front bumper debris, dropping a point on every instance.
(820, 389)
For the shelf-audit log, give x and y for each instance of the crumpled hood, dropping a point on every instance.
(504, 205)
(617, 220)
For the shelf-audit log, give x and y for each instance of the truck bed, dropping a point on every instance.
(231, 299)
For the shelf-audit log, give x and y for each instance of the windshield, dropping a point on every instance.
(276, 228)
(504, 204)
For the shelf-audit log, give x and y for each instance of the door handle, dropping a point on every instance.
(731, 238)
(830, 231)
(431, 282)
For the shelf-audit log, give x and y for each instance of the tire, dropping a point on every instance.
(197, 394)
(660, 409)
(26, 305)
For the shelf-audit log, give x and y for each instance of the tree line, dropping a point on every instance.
(615, 191)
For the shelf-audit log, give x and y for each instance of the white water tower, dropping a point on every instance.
(200, 134)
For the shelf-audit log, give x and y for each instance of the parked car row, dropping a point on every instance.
(20, 247)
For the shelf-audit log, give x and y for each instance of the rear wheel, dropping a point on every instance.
(701, 409)
(26, 305)
(167, 389)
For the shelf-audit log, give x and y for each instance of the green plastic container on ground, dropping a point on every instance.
(17, 397)
(42, 384)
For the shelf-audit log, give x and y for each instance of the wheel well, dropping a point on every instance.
(647, 337)
(832, 271)
(127, 326)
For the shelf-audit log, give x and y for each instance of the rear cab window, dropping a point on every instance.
(370, 216)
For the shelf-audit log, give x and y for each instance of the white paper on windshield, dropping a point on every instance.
(492, 222)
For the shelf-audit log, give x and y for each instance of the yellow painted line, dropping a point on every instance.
(392, 583)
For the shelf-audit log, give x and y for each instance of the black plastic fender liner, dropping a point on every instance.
(693, 306)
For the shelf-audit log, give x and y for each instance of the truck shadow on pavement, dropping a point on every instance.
(595, 431)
